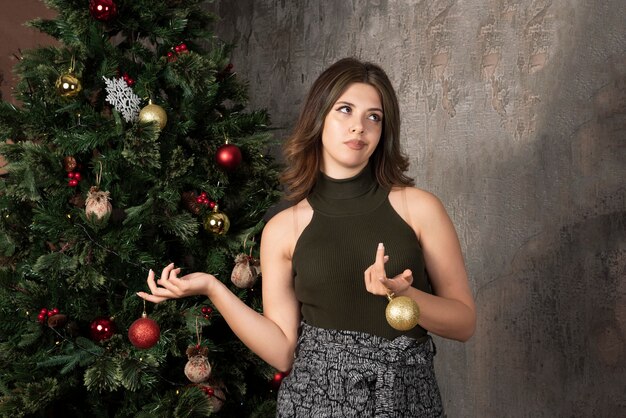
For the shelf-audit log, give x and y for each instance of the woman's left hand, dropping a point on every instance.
(376, 280)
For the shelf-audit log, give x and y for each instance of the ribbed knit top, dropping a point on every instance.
(350, 217)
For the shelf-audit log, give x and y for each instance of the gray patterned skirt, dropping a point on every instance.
(353, 374)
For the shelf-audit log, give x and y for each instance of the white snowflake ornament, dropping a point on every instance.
(122, 98)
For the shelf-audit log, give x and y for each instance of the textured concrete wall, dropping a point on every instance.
(514, 114)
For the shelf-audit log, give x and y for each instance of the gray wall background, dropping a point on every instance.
(514, 114)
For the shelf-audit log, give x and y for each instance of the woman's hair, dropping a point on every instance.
(303, 149)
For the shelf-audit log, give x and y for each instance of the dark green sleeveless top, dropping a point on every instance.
(350, 217)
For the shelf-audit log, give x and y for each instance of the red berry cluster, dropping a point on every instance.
(207, 311)
(208, 390)
(128, 79)
(203, 199)
(178, 49)
(46, 313)
(74, 178)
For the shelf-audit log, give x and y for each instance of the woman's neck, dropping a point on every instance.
(341, 172)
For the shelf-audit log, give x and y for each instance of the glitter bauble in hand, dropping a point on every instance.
(144, 332)
(101, 329)
(68, 85)
(217, 222)
(228, 157)
(198, 369)
(153, 113)
(402, 312)
(102, 10)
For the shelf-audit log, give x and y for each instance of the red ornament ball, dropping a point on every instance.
(103, 10)
(144, 332)
(102, 329)
(228, 157)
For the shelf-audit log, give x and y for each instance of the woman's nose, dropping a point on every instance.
(357, 128)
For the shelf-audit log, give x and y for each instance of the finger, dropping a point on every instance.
(172, 283)
(166, 271)
(390, 284)
(399, 283)
(151, 283)
(151, 298)
(407, 275)
(379, 263)
(174, 273)
(380, 255)
(386, 258)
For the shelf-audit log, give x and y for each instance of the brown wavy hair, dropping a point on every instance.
(303, 149)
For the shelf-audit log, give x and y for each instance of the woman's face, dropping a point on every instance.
(352, 130)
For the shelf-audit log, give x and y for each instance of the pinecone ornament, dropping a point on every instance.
(97, 203)
(69, 163)
(190, 202)
(246, 271)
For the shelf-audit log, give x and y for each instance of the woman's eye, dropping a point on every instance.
(345, 109)
(375, 117)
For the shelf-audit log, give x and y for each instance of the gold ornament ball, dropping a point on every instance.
(217, 222)
(153, 113)
(402, 313)
(68, 85)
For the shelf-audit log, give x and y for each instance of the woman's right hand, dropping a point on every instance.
(170, 286)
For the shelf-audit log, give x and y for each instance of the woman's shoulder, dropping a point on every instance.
(288, 216)
(417, 197)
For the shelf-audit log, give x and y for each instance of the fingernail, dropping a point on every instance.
(380, 246)
(150, 271)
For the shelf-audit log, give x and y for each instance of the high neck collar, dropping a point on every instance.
(345, 188)
(347, 197)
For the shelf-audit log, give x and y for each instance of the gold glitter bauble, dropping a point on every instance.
(153, 113)
(217, 222)
(402, 312)
(68, 85)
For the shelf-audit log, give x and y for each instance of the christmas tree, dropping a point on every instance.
(131, 148)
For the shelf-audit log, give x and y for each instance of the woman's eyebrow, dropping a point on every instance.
(351, 104)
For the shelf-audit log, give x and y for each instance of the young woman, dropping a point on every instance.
(358, 231)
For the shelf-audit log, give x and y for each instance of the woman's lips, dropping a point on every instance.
(355, 144)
